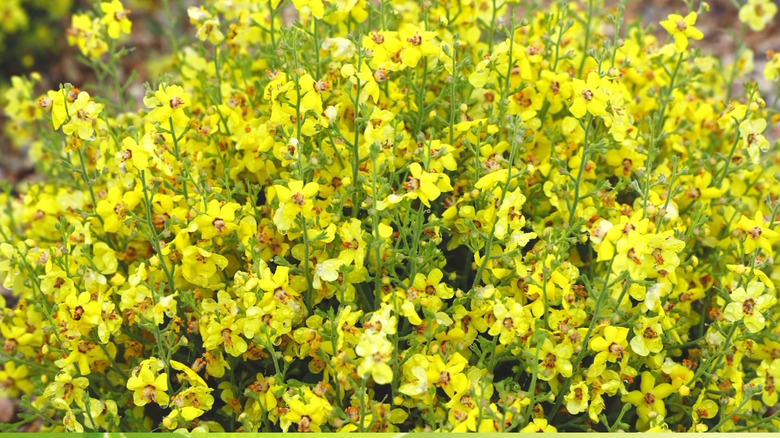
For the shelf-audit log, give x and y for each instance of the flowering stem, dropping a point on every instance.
(452, 95)
(725, 418)
(362, 404)
(153, 233)
(709, 364)
(587, 37)
(581, 171)
(178, 157)
(504, 189)
(356, 142)
(593, 322)
(308, 298)
(734, 69)
(734, 145)
(273, 31)
(656, 127)
(377, 238)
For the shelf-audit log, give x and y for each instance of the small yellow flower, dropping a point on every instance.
(294, 199)
(83, 113)
(589, 97)
(757, 13)
(147, 385)
(772, 67)
(756, 233)
(682, 28)
(15, 380)
(85, 33)
(424, 185)
(649, 398)
(376, 352)
(167, 104)
(577, 398)
(219, 219)
(201, 267)
(751, 133)
(748, 304)
(539, 425)
(115, 19)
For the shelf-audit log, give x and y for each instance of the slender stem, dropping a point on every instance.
(734, 145)
(489, 243)
(593, 322)
(178, 157)
(656, 127)
(356, 142)
(587, 37)
(581, 172)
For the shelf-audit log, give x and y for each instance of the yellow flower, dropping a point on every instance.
(511, 320)
(577, 398)
(376, 352)
(649, 398)
(340, 49)
(115, 19)
(682, 29)
(116, 207)
(201, 267)
(219, 219)
(539, 425)
(757, 13)
(85, 33)
(14, 380)
(772, 67)
(611, 346)
(83, 113)
(310, 7)
(69, 420)
(56, 101)
(225, 331)
(84, 309)
(308, 411)
(134, 156)
(294, 199)
(756, 233)
(748, 304)
(750, 131)
(705, 408)
(768, 373)
(167, 104)
(424, 185)
(555, 359)
(147, 385)
(417, 44)
(647, 336)
(68, 389)
(448, 375)
(589, 96)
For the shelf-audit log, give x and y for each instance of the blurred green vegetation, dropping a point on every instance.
(31, 32)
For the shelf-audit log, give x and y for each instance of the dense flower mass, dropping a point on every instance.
(397, 216)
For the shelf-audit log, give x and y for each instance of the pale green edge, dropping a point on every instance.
(364, 435)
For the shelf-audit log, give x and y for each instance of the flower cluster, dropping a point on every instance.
(397, 216)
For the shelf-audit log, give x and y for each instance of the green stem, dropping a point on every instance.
(179, 158)
(581, 171)
(655, 128)
(489, 243)
(584, 348)
(587, 37)
(356, 144)
(734, 145)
